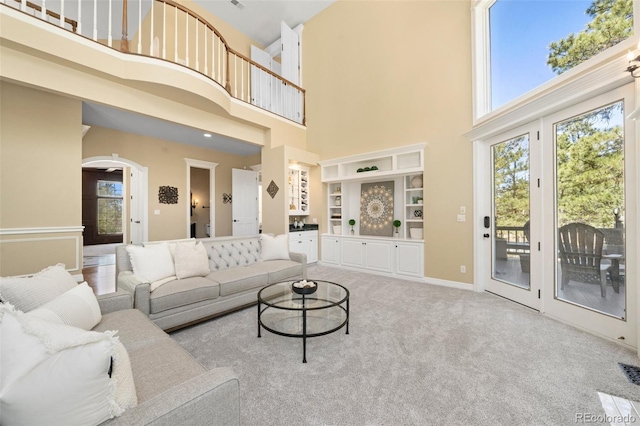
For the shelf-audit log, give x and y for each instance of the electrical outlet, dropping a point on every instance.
(463, 210)
(463, 269)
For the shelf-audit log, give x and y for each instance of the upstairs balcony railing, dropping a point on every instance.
(169, 31)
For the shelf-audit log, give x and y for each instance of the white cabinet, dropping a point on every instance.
(330, 250)
(381, 255)
(352, 253)
(298, 195)
(305, 242)
(409, 258)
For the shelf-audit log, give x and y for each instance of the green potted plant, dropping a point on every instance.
(351, 223)
(396, 224)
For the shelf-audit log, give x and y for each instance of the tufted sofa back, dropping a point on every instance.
(225, 253)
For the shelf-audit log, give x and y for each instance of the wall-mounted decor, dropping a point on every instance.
(376, 209)
(226, 198)
(272, 189)
(168, 195)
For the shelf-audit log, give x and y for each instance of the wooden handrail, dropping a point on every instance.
(257, 65)
(227, 50)
(74, 24)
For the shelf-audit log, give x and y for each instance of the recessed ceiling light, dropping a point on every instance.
(207, 135)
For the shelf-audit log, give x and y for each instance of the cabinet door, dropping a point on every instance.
(299, 245)
(378, 256)
(353, 253)
(312, 255)
(331, 250)
(409, 259)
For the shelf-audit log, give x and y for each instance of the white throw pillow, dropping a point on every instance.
(172, 243)
(123, 376)
(191, 260)
(77, 307)
(27, 293)
(54, 374)
(154, 285)
(151, 263)
(274, 248)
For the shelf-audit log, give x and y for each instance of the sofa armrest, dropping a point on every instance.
(117, 301)
(138, 288)
(212, 398)
(298, 257)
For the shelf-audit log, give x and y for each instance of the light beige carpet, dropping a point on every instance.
(416, 354)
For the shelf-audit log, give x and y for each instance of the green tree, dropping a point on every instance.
(612, 23)
(590, 165)
(511, 181)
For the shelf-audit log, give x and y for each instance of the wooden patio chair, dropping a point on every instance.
(580, 248)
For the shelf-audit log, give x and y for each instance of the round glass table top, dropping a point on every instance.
(282, 296)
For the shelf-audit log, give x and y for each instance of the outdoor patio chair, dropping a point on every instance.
(580, 247)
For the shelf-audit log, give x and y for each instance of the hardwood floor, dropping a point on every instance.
(99, 269)
(102, 279)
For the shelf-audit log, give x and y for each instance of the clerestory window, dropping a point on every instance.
(522, 44)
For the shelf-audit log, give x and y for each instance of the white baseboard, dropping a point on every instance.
(447, 283)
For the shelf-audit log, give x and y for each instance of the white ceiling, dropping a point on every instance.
(139, 124)
(258, 19)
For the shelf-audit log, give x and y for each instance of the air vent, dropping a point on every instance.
(237, 4)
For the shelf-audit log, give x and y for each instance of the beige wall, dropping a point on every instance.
(167, 167)
(40, 179)
(385, 74)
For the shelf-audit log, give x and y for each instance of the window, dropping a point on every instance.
(520, 45)
(109, 207)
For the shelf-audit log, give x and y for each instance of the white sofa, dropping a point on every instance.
(238, 268)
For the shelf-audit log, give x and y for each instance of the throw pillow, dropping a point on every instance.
(191, 260)
(123, 377)
(77, 307)
(274, 248)
(55, 374)
(171, 243)
(27, 293)
(151, 263)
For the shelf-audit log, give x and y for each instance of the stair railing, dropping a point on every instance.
(169, 31)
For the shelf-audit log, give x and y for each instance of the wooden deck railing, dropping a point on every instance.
(169, 31)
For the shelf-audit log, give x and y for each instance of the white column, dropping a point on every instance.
(61, 12)
(44, 10)
(164, 30)
(206, 54)
(175, 34)
(197, 46)
(79, 29)
(186, 19)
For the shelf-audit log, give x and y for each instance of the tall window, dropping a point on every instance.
(109, 207)
(533, 41)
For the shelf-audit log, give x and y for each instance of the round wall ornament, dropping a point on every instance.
(416, 181)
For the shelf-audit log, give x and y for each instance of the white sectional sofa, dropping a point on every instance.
(238, 267)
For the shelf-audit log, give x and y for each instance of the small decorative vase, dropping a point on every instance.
(338, 201)
(416, 181)
(396, 234)
(351, 232)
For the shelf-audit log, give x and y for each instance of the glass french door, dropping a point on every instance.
(509, 226)
(561, 197)
(590, 189)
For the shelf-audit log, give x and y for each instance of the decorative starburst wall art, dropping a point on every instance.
(168, 195)
(376, 209)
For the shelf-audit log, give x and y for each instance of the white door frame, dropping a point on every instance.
(481, 202)
(212, 193)
(143, 185)
(484, 207)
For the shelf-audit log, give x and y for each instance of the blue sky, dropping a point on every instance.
(521, 31)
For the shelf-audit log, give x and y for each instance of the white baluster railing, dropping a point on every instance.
(241, 77)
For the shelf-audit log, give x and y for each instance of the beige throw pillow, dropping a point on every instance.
(191, 260)
(28, 293)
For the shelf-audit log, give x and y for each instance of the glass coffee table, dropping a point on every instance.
(293, 312)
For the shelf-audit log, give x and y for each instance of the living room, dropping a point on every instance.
(377, 76)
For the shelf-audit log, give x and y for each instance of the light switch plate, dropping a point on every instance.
(462, 218)
(463, 210)
(156, 212)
